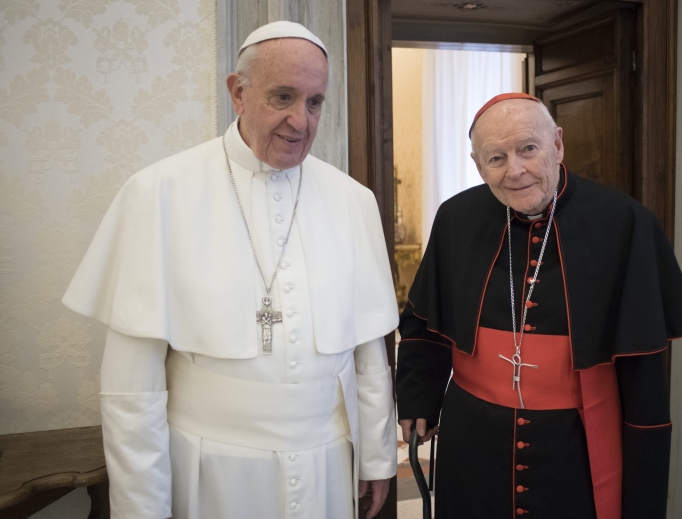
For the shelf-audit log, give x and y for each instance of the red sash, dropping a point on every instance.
(554, 385)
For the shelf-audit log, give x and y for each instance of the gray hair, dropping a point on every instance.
(245, 63)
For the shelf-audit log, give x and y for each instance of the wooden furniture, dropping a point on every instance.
(38, 468)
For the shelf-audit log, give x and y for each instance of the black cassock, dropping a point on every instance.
(610, 291)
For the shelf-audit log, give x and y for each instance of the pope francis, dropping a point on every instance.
(247, 291)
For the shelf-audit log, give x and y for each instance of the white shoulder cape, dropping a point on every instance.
(171, 260)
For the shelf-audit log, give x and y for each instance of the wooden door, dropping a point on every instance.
(370, 135)
(585, 75)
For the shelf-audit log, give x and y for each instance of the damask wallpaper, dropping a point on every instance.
(90, 92)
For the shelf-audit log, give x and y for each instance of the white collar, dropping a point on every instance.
(240, 153)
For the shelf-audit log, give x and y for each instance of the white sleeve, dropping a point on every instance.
(133, 401)
(378, 441)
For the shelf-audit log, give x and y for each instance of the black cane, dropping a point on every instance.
(419, 473)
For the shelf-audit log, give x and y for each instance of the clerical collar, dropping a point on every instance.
(240, 153)
(561, 188)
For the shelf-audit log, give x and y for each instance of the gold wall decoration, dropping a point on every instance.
(91, 91)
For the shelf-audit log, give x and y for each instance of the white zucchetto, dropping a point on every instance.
(282, 29)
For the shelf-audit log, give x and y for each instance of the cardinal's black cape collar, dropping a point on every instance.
(623, 283)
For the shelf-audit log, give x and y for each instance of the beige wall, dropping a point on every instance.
(407, 136)
(90, 92)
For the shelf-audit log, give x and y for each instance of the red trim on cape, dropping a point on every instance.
(669, 424)
(485, 287)
(454, 344)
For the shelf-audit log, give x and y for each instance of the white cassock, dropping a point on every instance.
(211, 428)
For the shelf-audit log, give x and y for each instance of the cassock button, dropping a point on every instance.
(528, 327)
(290, 313)
(520, 467)
(533, 263)
(521, 511)
(292, 338)
(536, 239)
(274, 177)
(284, 265)
(520, 421)
(530, 304)
(292, 457)
(278, 219)
(293, 505)
(521, 445)
(280, 242)
(538, 225)
(521, 489)
(292, 482)
(277, 197)
(293, 365)
(530, 281)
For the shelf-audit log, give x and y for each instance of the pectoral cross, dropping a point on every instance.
(516, 376)
(266, 317)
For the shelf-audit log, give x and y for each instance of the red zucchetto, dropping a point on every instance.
(497, 99)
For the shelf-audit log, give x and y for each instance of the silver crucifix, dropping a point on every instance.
(266, 318)
(516, 376)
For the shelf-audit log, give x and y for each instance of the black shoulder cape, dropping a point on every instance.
(622, 280)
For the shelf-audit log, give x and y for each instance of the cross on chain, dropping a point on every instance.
(515, 361)
(516, 377)
(267, 317)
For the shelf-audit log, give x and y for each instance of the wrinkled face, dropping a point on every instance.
(518, 153)
(281, 104)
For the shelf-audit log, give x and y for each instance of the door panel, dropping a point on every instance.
(587, 147)
(584, 77)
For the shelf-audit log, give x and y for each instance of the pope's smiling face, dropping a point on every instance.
(518, 151)
(280, 105)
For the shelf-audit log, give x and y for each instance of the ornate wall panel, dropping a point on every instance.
(90, 92)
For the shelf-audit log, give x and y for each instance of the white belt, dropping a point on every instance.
(260, 415)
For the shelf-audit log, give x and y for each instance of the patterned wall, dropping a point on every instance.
(90, 92)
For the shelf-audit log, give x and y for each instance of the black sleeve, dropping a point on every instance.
(423, 369)
(646, 435)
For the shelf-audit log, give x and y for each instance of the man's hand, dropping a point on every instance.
(424, 435)
(379, 493)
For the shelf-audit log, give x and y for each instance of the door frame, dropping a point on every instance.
(370, 132)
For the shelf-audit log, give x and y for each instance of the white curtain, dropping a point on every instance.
(455, 85)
